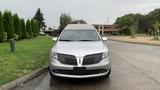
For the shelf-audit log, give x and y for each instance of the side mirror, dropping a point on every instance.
(105, 38)
(54, 38)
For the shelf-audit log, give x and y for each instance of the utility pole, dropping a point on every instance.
(107, 21)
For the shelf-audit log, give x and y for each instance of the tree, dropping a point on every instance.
(153, 16)
(33, 28)
(39, 17)
(24, 30)
(8, 24)
(124, 23)
(156, 26)
(37, 27)
(81, 21)
(141, 22)
(65, 19)
(29, 28)
(3, 35)
(17, 26)
(134, 29)
(34, 25)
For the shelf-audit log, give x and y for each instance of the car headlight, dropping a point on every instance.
(105, 54)
(54, 55)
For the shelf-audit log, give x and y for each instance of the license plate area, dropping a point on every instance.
(79, 69)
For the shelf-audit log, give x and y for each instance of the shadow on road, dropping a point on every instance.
(58, 82)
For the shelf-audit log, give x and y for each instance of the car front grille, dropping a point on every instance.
(87, 60)
(67, 59)
(92, 59)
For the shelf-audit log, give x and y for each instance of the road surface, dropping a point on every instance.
(134, 67)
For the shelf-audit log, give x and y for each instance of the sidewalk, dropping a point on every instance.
(136, 40)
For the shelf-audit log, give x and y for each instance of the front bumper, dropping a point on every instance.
(80, 76)
(103, 67)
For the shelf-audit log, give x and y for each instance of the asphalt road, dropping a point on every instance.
(134, 67)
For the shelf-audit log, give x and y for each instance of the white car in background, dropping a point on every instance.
(79, 52)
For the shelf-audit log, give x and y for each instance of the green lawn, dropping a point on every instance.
(30, 54)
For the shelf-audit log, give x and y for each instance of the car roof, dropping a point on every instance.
(79, 27)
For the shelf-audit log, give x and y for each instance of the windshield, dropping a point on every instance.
(79, 35)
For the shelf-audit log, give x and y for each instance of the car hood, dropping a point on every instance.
(79, 49)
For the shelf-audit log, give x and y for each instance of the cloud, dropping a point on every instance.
(93, 11)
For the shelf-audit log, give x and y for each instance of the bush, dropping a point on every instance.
(15, 37)
(156, 37)
(33, 26)
(115, 33)
(17, 26)
(29, 29)
(13, 27)
(24, 30)
(3, 36)
(8, 24)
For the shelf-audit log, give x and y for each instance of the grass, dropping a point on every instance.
(30, 55)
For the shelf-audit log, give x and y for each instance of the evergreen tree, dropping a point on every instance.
(24, 30)
(8, 25)
(39, 17)
(17, 26)
(37, 27)
(33, 28)
(29, 28)
(3, 35)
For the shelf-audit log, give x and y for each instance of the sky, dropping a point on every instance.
(92, 11)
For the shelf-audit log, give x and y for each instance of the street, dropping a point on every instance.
(134, 67)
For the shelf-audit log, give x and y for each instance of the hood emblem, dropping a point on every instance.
(79, 61)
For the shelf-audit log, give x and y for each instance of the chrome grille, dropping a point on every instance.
(92, 59)
(67, 59)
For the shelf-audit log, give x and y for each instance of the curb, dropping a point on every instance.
(24, 79)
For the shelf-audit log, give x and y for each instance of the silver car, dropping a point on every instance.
(79, 52)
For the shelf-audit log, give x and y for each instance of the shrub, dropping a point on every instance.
(15, 37)
(33, 28)
(24, 30)
(17, 26)
(8, 24)
(115, 33)
(3, 35)
(37, 27)
(156, 37)
(29, 29)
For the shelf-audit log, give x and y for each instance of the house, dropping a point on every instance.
(105, 29)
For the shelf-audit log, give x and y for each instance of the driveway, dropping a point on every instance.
(134, 67)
